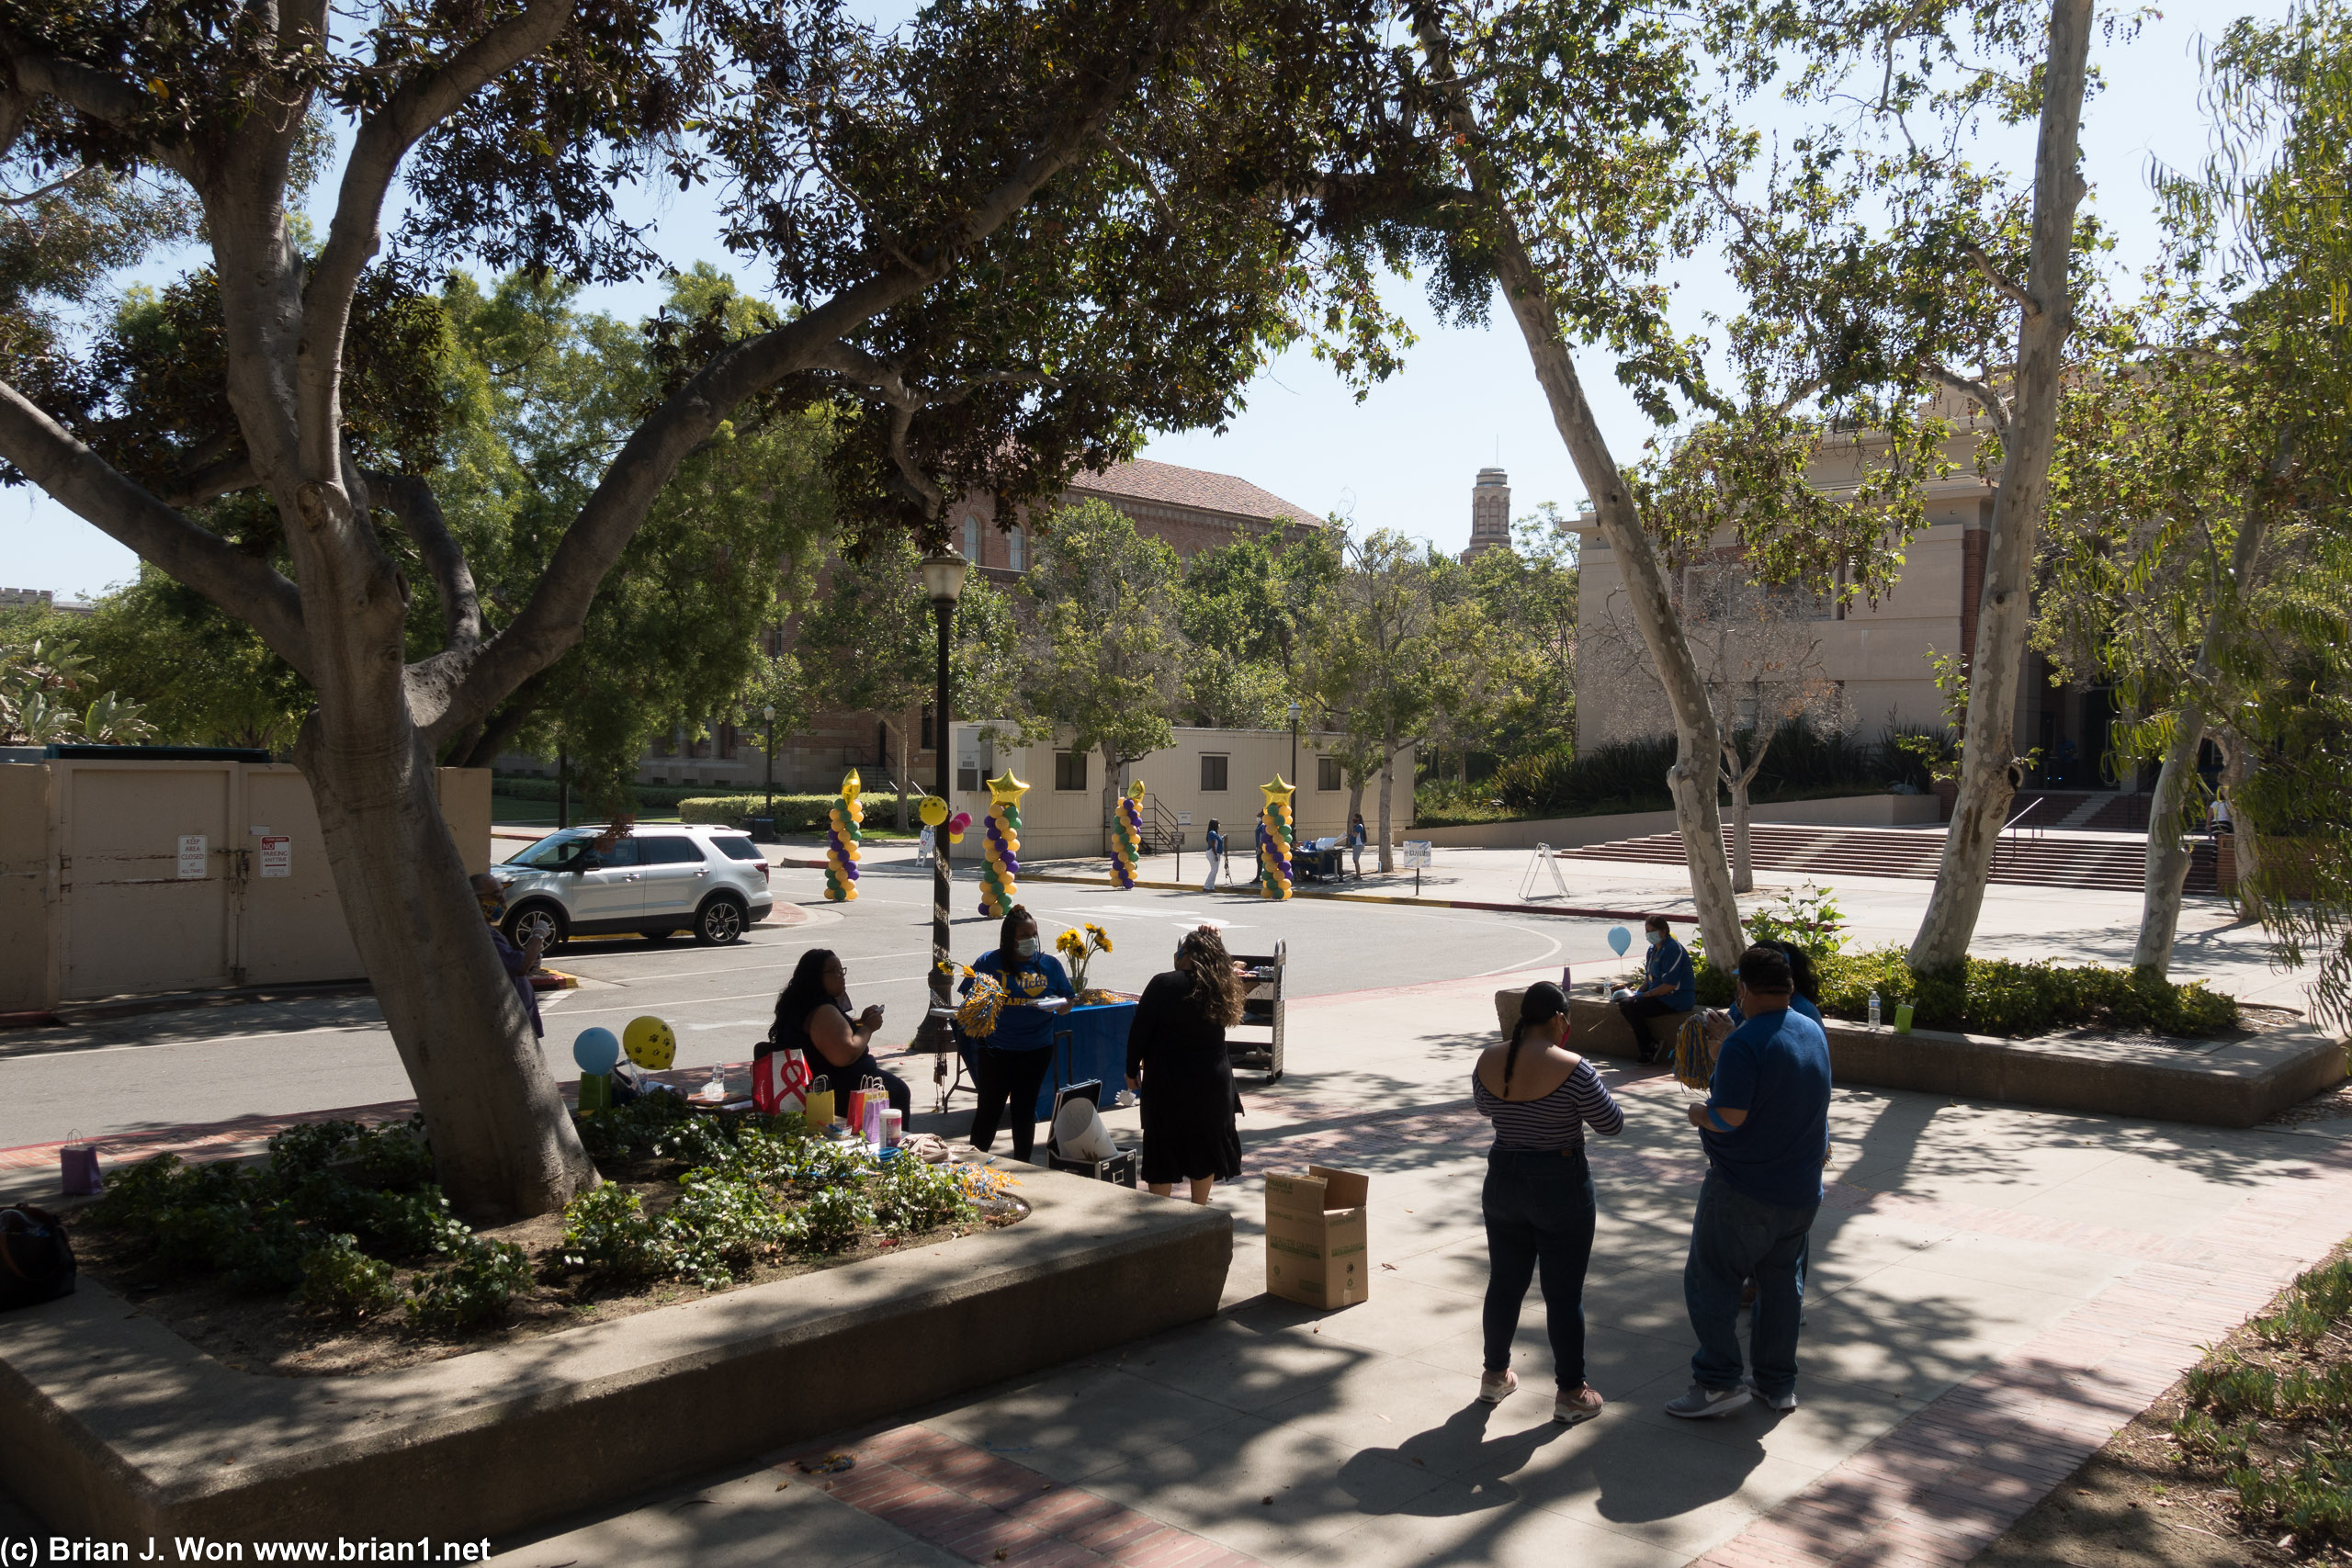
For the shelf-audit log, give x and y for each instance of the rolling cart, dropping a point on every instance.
(1262, 1007)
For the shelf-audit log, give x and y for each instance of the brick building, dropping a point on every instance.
(1490, 513)
(1191, 509)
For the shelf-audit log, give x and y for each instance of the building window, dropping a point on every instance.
(1069, 769)
(967, 777)
(1213, 775)
(728, 739)
(1014, 549)
(926, 726)
(972, 538)
(1327, 774)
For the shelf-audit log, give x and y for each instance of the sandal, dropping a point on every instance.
(1496, 1387)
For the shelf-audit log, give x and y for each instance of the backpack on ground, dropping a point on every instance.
(36, 1260)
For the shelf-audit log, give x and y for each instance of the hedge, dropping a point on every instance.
(794, 813)
(1998, 995)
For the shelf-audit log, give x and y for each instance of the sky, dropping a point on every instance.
(1405, 456)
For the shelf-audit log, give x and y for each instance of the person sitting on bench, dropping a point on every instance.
(1671, 985)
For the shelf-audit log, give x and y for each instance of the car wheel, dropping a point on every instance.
(718, 922)
(544, 921)
(663, 935)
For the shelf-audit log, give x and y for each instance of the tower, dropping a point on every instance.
(1490, 513)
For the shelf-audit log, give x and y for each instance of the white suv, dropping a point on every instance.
(656, 881)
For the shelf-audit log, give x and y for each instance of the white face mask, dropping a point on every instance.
(1654, 938)
(1027, 947)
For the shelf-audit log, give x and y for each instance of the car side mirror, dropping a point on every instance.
(586, 863)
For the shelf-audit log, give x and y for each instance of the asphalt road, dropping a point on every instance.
(213, 1064)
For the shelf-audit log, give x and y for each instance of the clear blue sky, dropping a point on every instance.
(1404, 457)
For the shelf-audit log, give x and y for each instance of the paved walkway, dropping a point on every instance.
(1996, 1292)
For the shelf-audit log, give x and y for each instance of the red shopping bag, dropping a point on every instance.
(780, 1082)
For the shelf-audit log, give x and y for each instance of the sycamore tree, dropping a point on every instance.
(1104, 651)
(1002, 238)
(1242, 610)
(1385, 665)
(871, 645)
(1591, 149)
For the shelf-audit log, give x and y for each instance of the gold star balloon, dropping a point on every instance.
(1135, 791)
(852, 786)
(1276, 793)
(1006, 790)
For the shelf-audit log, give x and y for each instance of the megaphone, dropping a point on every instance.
(1079, 1132)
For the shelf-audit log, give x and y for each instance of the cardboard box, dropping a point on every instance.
(1317, 1239)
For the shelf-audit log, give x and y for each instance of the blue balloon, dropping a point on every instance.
(596, 1050)
(1621, 939)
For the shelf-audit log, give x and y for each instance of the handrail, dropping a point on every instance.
(2008, 835)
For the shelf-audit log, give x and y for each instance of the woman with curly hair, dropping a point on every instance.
(1177, 1063)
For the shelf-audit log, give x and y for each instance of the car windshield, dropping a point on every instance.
(552, 852)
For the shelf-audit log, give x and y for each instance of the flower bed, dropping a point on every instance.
(339, 1254)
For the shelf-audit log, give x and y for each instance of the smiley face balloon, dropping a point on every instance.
(650, 1043)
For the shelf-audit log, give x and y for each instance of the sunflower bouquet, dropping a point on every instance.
(1078, 947)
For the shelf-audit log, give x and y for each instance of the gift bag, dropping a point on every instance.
(780, 1082)
(78, 1169)
(1694, 1055)
(817, 1110)
(871, 1098)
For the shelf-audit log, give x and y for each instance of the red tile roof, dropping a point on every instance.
(1146, 480)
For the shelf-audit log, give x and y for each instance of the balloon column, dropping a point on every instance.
(1126, 837)
(841, 841)
(1276, 838)
(1001, 846)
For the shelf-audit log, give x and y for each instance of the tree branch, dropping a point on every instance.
(2002, 282)
(98, 494)
(452, 689)
(412, 500)
(94, 93)
(354, 235)
(1983, 394)
(213, 481)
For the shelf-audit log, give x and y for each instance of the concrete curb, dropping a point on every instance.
(2212, 1083)
(124, 1431)
(1407, 901)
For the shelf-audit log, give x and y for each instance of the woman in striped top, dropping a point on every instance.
(1538, 1196)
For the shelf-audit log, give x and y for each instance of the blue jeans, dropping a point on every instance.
(1539, 1210)
(1734, 1238)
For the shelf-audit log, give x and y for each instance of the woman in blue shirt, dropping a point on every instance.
(1012, 1062)
(1670, 985)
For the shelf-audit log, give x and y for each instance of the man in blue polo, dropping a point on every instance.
(1765, 1124)
(1670, 985)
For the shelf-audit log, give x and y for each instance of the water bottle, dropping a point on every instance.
(1564, 981)
(715, 1090)
(1873, 1009)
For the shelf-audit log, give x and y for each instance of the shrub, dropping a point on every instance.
(475, 1288)
(2000, 996)
(910, 1197)
(724, 1225)
(633, 1131)
(605, 1232)
(1625, 775)
(794, 813)
(832, 1217)
(345, 1282)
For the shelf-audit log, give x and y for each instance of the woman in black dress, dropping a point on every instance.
(1176, 1061)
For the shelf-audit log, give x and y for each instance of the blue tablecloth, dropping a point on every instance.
(1089, 1042)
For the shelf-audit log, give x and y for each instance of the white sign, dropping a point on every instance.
(192, 856)
(277, 854)
(1417, 852)
(1183, 819)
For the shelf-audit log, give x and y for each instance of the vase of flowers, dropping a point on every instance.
(1078, 947)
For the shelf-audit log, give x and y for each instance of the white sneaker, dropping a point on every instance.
(1704, 1404)
(1496, 1387)
(1783, 1402)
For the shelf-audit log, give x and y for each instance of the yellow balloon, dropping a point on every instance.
(1136, 792)
(650, 1043)
(933, 811)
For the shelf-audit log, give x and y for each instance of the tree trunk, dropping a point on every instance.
(1743, 860)
(1110, 794)
(2245, 850)
(1988, 773)
(1387, 779)
(903, 735)
(502, 1144)
(1694, 788)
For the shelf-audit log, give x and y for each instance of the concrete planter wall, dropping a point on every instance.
(1574, 832)
(2216, 1083)
(114, 1427)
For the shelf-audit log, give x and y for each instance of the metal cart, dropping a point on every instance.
(1262, 1007)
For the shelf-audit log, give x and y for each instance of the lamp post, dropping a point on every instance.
(1294, 746)
(768, 714)
(943, 582)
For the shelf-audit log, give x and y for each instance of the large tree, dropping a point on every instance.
(1002, 237)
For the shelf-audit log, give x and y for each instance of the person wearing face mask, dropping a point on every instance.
(1670, 985)
(813, 1017)
(490, 893)
(1012, 1062)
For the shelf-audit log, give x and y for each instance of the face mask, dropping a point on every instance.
(493, 909)
(1654, 938)
(1027, 947)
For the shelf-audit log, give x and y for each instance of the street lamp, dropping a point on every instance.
(943, 582)
(768, 713)
(1294, 748)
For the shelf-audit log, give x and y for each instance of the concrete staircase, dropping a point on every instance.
(2111, 863)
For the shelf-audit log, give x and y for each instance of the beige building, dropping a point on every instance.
(1208, 773)
(1490, 513)
(1874, 657)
